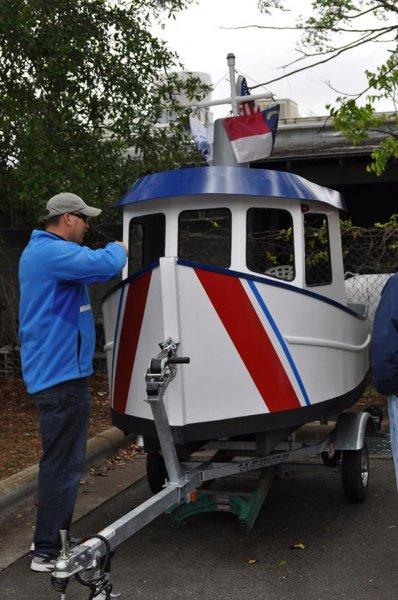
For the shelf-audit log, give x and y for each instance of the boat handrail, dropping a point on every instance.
(307, 341)
(302, 341)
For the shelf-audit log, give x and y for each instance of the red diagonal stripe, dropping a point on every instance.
(129, 335)
(250, 339)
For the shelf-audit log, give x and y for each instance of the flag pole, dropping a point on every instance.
(231, 66)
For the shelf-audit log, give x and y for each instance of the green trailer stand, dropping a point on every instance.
(242, 495)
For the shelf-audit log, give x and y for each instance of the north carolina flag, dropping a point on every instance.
(250, 136)
(271, 116)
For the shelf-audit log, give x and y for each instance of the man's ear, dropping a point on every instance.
(66, 219)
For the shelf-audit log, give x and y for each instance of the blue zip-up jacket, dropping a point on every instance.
(56, 332)
(384, 349)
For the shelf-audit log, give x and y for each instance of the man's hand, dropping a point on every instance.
(123, 246)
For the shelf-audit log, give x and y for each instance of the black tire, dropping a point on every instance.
(331, 459)
(355, 474)
(155, 471)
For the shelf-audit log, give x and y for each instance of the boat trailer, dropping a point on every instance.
(89, 562)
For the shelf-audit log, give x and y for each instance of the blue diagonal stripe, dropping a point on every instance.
(279, 336)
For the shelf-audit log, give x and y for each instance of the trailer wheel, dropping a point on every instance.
(155, 471)
(355, 473)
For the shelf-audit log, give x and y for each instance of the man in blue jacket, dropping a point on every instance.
(57, 338)
(385, 356)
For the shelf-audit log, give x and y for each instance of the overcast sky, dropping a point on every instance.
(198, 36)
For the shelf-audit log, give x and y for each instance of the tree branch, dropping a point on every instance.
(388, 5)
(365, 12)
(335, 49)
(359, 94)
(309, 28)
(356, 96)
(320, 62)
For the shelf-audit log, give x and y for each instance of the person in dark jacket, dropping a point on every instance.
(57, 338)
(385, 356)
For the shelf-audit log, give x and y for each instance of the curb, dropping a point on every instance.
(16, 488)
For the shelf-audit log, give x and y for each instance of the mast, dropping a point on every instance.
(223, 154)
(233, 99)
(232, 82)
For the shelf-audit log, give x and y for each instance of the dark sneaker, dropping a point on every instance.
(42, 563)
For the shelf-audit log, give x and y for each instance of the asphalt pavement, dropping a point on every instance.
(345, 551)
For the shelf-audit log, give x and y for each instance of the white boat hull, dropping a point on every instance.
(265, 355)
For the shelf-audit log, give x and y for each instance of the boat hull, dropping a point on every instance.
(209, 430)
(265, 355)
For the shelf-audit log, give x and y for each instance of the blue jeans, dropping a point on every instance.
(64, 414)
(393, 418)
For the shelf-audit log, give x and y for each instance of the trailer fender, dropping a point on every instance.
(351, 429)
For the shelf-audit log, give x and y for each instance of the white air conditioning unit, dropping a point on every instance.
(289, 108)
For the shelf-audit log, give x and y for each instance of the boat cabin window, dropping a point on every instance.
(146, 241)
(318, 267)
(269, 242)
(205, 236)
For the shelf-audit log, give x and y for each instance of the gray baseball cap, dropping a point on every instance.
(69, 203)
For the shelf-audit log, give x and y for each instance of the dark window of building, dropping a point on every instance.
(318, 268)
(269, 242)
(205, 236)
(146, 241)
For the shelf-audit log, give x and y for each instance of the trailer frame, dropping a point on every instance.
(185, 477)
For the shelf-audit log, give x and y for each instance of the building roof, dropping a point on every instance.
(315, 137)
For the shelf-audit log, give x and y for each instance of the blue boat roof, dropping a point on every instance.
(233, 181)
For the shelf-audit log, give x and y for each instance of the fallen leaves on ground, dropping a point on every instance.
(20, 444)
(120, 457)
(297, 546)
(124, 454)
(100, 471)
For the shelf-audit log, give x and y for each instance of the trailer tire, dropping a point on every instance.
(355, 474)
(155, 471)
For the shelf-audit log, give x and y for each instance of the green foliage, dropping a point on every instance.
(266, 6)
(387, 150)
(81, 82)
(371, 249)
(357, 121)
(357, 23)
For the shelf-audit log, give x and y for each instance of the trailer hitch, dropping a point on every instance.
(99, 582)
(96, 578)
